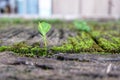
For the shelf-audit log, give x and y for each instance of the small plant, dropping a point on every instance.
(82, 25)
(43, 28)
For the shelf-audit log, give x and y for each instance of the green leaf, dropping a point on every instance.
(43, 28)
(82, 25)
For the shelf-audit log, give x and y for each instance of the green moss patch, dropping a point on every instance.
(82, 43)
(109, 40)
(23, 49)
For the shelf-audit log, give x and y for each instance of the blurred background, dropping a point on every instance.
(68, 9)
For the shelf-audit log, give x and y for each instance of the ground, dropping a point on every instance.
(59, 67)
(97, 57)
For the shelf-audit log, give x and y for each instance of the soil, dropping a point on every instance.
(61, 66)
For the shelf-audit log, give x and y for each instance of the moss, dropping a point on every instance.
(4, 48)
(38, 51)
(23, 49)
(63, 48)
(108, 46)
(82, 43)
(107, 39)
(95, 34)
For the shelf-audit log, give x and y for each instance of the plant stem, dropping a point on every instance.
(45, 43)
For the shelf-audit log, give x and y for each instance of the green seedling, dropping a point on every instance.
(43, 28)
(82, 25)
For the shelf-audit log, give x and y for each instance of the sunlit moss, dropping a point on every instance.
(82, 43)
(24, 50)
